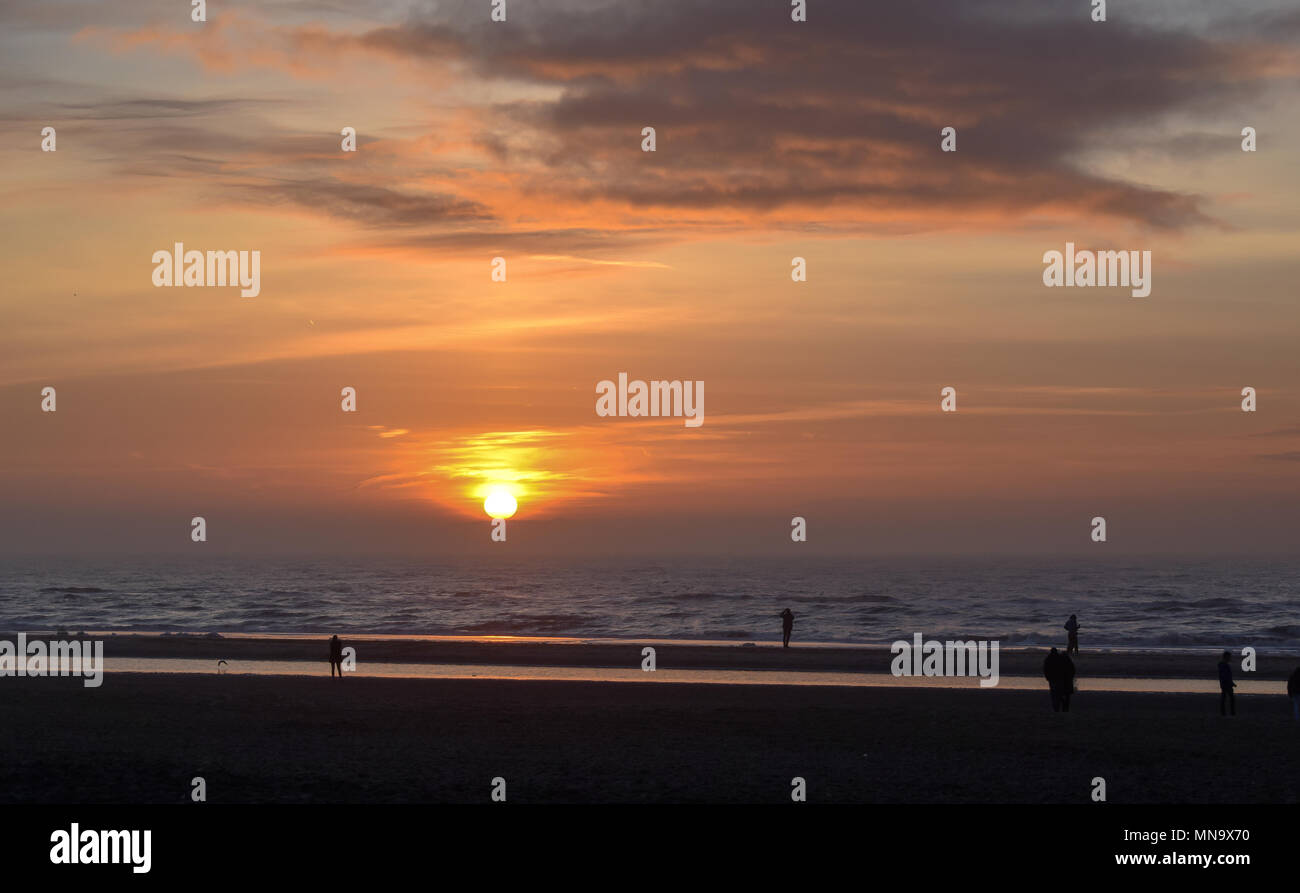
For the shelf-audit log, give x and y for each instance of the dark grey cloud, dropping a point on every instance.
(1291, 431)
(834, 119)
(369, 205)
(756, 112)
(1293, 456)
(143, 108)
(558, 241)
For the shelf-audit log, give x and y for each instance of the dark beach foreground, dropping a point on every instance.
(141, 738)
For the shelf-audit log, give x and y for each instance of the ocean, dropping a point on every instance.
(1018, 601)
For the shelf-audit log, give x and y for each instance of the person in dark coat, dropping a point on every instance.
(1067, 681)
(787, 624)
(1226, 685)
(1054, 673)
(336, 656)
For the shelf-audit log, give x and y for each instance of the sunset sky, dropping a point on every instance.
(774, 140)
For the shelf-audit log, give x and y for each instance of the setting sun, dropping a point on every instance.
(500, 503)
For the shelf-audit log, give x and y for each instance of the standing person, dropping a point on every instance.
(1054, 673)
(336, 656)
(787, 624)
(1072, 627)
(1293, 689)
(1067, 681)
(1226, 685)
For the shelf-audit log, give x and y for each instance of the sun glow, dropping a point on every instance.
(500, 503)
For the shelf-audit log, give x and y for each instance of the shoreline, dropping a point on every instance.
(1025, 661)
(117, 667)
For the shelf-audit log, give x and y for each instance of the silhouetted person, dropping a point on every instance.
(1293, 689)
(1226, 685)
(1072, 627)
(1054, 673)
(336, 656)
(787, 624)
(1067, 681)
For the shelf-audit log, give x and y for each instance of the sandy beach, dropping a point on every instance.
(759, 656)
(141, 738)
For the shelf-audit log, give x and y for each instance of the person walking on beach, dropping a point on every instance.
(1054, 673)
(787, 624)
(1293, 689)
(336, 656)
(1072, 627)
(1226, 685)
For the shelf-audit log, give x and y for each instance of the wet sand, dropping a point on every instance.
(1013, 661)
(141, 738)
